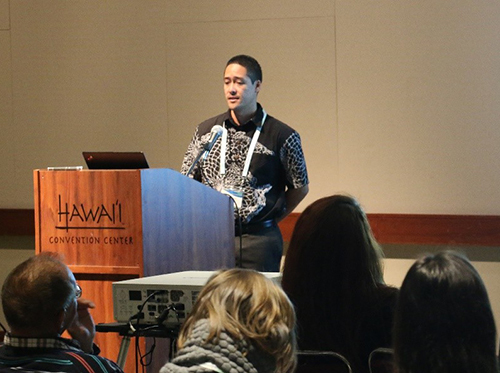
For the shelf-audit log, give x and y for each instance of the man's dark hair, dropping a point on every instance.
(254, 70)
(35, 292)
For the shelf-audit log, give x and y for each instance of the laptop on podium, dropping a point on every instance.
(115, 160)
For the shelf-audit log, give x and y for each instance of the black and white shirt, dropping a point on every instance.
(277, 163)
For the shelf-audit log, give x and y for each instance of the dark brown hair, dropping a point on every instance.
(35, 292)
(332, 271)
(444, 322)
(254, 71)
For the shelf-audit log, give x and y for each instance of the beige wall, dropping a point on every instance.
(418, 105)
(7, 146)
(397, 102)
(86, 75)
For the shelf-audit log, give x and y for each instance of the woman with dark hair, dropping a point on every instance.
(333, 275)
(444, 322)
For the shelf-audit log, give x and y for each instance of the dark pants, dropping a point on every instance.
(260, 250)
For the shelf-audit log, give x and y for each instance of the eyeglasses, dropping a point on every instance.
(78, 291)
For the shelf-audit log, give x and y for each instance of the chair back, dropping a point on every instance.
(322, 362)
(381, 360)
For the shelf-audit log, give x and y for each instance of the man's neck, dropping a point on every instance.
(242, 118)
(30, 333)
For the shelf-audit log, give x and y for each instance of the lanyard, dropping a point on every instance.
(251, 148)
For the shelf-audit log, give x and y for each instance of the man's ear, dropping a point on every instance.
(258, 85)
(60, 321)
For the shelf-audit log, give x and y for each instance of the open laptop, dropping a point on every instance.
(115, 160)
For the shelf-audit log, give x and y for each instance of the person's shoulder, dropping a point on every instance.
(46, 359)
(2, 349)
(98, 363)
(206, 125)
(388, 291)
(110, 364)
(281, 133)
(387, 296)
(278, 125)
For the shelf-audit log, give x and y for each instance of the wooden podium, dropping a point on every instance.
(112, 225)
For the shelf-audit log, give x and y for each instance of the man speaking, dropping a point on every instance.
(253, 158)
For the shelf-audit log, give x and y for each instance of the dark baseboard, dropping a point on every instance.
(17, 222)
(477, 230)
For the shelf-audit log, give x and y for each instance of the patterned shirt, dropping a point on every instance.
(50, 355)
(277, 163)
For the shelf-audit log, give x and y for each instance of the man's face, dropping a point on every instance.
(70, 312)
(240, 92)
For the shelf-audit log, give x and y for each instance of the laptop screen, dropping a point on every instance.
(115, 160)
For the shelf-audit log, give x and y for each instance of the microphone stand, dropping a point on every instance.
(196, 160)
(240, 233)
(215, 133)
(203, 153)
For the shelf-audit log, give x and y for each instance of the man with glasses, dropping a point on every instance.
(41, 300)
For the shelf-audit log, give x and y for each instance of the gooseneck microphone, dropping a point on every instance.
(215, 133)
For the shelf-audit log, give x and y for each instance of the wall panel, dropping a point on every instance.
(196, 11)
(4, 15)
(88, 75)
(418, 103)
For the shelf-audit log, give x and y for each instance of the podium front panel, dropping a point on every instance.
(186, 225)
(92, 218)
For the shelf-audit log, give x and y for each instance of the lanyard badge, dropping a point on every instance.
(235, 192)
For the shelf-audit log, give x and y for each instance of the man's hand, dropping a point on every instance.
(293, 198)
(83, 328)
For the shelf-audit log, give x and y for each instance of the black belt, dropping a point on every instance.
(254, 228)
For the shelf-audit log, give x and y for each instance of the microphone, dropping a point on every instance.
(215, 133)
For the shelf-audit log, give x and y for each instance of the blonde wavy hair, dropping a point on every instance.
(247, 305)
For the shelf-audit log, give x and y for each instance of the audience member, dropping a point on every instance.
(444, 322)
(242, 322)
(333, 275)
(41, 300)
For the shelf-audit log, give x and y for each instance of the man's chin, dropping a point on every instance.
(232, 105)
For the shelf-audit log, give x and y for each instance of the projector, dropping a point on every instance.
(165, 299)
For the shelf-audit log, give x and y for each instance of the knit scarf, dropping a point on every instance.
(227, 354)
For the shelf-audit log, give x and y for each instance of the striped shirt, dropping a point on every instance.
(48, 355)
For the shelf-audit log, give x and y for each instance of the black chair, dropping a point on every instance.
(322, 362)
(381, 360)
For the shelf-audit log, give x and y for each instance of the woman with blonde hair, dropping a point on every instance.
(242, 322)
